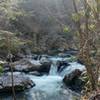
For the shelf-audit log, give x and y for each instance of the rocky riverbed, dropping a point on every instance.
(43, 78)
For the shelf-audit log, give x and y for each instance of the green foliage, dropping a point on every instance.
(92, 27)
(66, 29)
(1, 69)
(15, 44)
(8, 40)
(7, 9)
(75, 17)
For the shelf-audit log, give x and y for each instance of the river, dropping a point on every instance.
(49, 87)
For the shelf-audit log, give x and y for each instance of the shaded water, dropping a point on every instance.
(49, 87)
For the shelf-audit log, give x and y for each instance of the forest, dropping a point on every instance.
(49, 49)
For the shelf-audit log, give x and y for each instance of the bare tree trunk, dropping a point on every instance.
(13, 90)
(10, 61)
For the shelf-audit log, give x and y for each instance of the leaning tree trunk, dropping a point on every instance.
(84, 40)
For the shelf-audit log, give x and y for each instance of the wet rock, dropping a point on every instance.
(46, 64)
(80, 62)
(62, 65)
(20, 82)
(72, 80)
(45, 68)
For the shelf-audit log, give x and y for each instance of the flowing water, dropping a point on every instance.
(53, 70)
(50, 87)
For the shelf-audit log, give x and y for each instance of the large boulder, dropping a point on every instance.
(72, 80)
(46, 64)
(29, 65)
(26, 65)
(20, 82)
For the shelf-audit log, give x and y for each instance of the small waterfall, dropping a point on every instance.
(72, 67)
(54, 66)
(53, 69)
